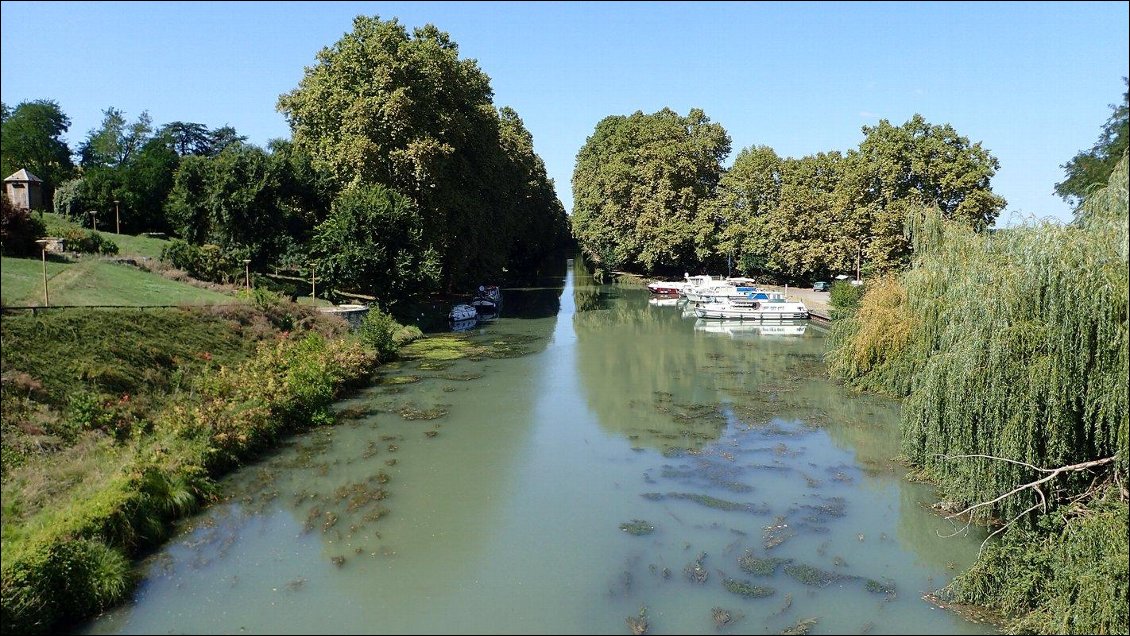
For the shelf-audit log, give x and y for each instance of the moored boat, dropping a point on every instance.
(666, 287)
(487, 300)
(758, 305)
(462, 312)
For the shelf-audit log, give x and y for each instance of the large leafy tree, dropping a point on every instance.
(538, 218)
(387, 106)
(747, 194)
(640, 188)
(233, 200)
(116, 140)
(1090, 169)
(31, 138)
(373, 243)
(900, 168)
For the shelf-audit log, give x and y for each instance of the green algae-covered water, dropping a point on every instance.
(602, 462)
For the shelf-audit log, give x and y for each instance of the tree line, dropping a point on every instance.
(401, 175)
(651, 195)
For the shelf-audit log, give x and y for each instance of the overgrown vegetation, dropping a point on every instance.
(112, 429)
(1011, 349)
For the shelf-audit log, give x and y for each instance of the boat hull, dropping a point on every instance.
(759, 313)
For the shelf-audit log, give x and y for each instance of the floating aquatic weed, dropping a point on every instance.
(709, 502)
(296, 584)
(777, 533)
(832, 508)
(399, 379)
(638, 623)
(757, 566)
(374, 514)
(747, 589)
(433, 365)
(448, 389)
(392, 448)
(813, 576)
(370, 450)
(339, 561)
(430, 434)
(723, 617)
(411, 413)
(330, 520)
(390, 462)
(880, 587)
(353, 412)
(392, 390)
(460, 377)
(360, 494)
(710, 473)
(438, 348)
(801, 627)
(695, 572)
(779, 468)
(637, 527)
(839, 561)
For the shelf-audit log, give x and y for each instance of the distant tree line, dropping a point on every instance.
(651, 195)
(401, 177)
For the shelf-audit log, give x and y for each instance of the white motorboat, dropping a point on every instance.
(462, 312)
(754, 306)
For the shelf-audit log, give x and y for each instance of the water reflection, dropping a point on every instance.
(761, 489)
(735, 329)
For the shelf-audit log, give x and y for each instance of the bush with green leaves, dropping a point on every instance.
(19, 230)
(87, 242)
(205, 262)
(379, 330)
(845, 298)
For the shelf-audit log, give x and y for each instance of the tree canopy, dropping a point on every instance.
(401, 109)
(31, 138)
(640, 188)
(1090, 169)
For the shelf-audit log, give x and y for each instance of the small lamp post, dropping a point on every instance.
(93, 218)
(117, 218)
(247, 273)
(43, 248)
(313, 289)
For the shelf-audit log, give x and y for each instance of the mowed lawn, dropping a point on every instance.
(96, 282)
(128, 245)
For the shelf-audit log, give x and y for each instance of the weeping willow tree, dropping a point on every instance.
(1011, 350)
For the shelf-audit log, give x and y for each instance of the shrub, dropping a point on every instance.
(378, 330)
(845, 298)
(86, 242)
(19, 229)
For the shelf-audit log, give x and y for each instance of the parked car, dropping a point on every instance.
(821, 286)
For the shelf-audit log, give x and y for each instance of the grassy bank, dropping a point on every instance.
(116, 422)
(128, 245)
(94, 281)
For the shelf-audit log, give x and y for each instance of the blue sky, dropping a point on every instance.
(1032, 81)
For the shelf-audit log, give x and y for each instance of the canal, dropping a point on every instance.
(605, 459)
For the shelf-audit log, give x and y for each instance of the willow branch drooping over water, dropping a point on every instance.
(1011, 350)
(1011, 345)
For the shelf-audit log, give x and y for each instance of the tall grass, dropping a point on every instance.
(217, 384)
